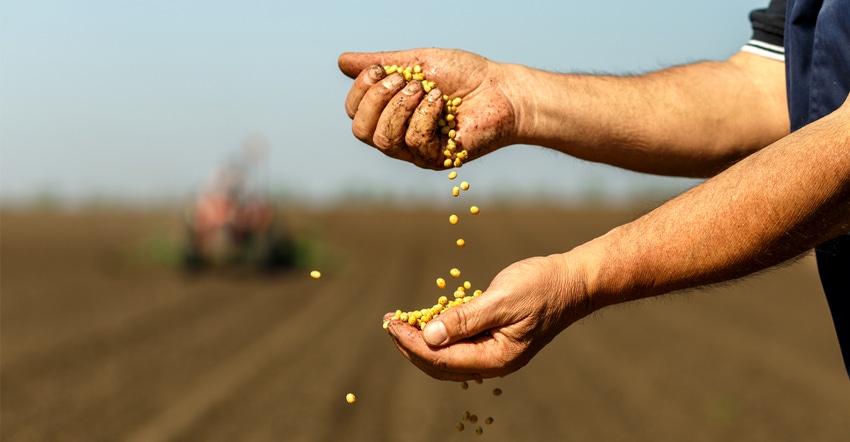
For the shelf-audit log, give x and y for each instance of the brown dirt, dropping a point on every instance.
(103, 341)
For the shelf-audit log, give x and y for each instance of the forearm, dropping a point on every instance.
(692, 120)
(769, 207)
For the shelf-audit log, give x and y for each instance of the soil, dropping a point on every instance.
(104, 337)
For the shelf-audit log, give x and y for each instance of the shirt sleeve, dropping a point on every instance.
(768, 31)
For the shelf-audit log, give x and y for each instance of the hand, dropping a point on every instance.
(401, 120)
(499, 331)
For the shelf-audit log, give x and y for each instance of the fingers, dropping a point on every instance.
(392, 124)
(369, 110)
(422, 136)
(461, 361)
(364, 81)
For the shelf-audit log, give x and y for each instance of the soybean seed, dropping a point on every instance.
(455, 191)
(461, 242)
(452, 175)
(464, 385)
(488, 421)
(455, 272)
(464, 185)
(350, 398)
(315, 274)
(453, 219)
(460, 426)
(474, 210)
(441, 283)
(473, 419)
(497, 392)
(479, 431)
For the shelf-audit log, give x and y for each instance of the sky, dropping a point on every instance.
(140, 101)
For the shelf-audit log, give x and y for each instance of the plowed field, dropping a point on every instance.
(104, 339)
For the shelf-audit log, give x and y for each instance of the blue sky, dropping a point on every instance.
(141, 100)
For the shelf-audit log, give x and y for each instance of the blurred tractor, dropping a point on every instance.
(232, 221)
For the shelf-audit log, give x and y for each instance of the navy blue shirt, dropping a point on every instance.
(816, 38)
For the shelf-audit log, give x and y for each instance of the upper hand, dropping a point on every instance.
(499, 331)
(401, 120)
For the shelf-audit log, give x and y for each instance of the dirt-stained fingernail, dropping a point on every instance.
(393, 81)
(375, 73)
(412, 88)
(434, 95)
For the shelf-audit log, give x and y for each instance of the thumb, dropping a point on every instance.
(461, 322)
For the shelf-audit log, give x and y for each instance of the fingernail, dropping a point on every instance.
(412, 88)
(435, 333)
(434, 95)
(376, 73)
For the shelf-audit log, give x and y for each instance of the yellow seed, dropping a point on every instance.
(467, 285)
(488, 421)
(457, 101)
(455, 191)
(315, 274)
(453, 218)
(497, 392)
(464, 185)
(432, 84)
(445, 98)
(452, 175)
(447, 153)
(451, 144)
(452, 133)
(479, 431)
(417, 69)
(426, 87)
(464, 385)
(458, 162)
(466, 416)
(459, 295)
(461, 242)
(350, 398)
(474, 210)
(450, 118)
(441, 283)
(442, 301)
(447, 162)
(386, 325)
(460, 426)
(418, 77)
(391, 69)
(455, 272)
(477, 292)
(403, 317)
(473, 419)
